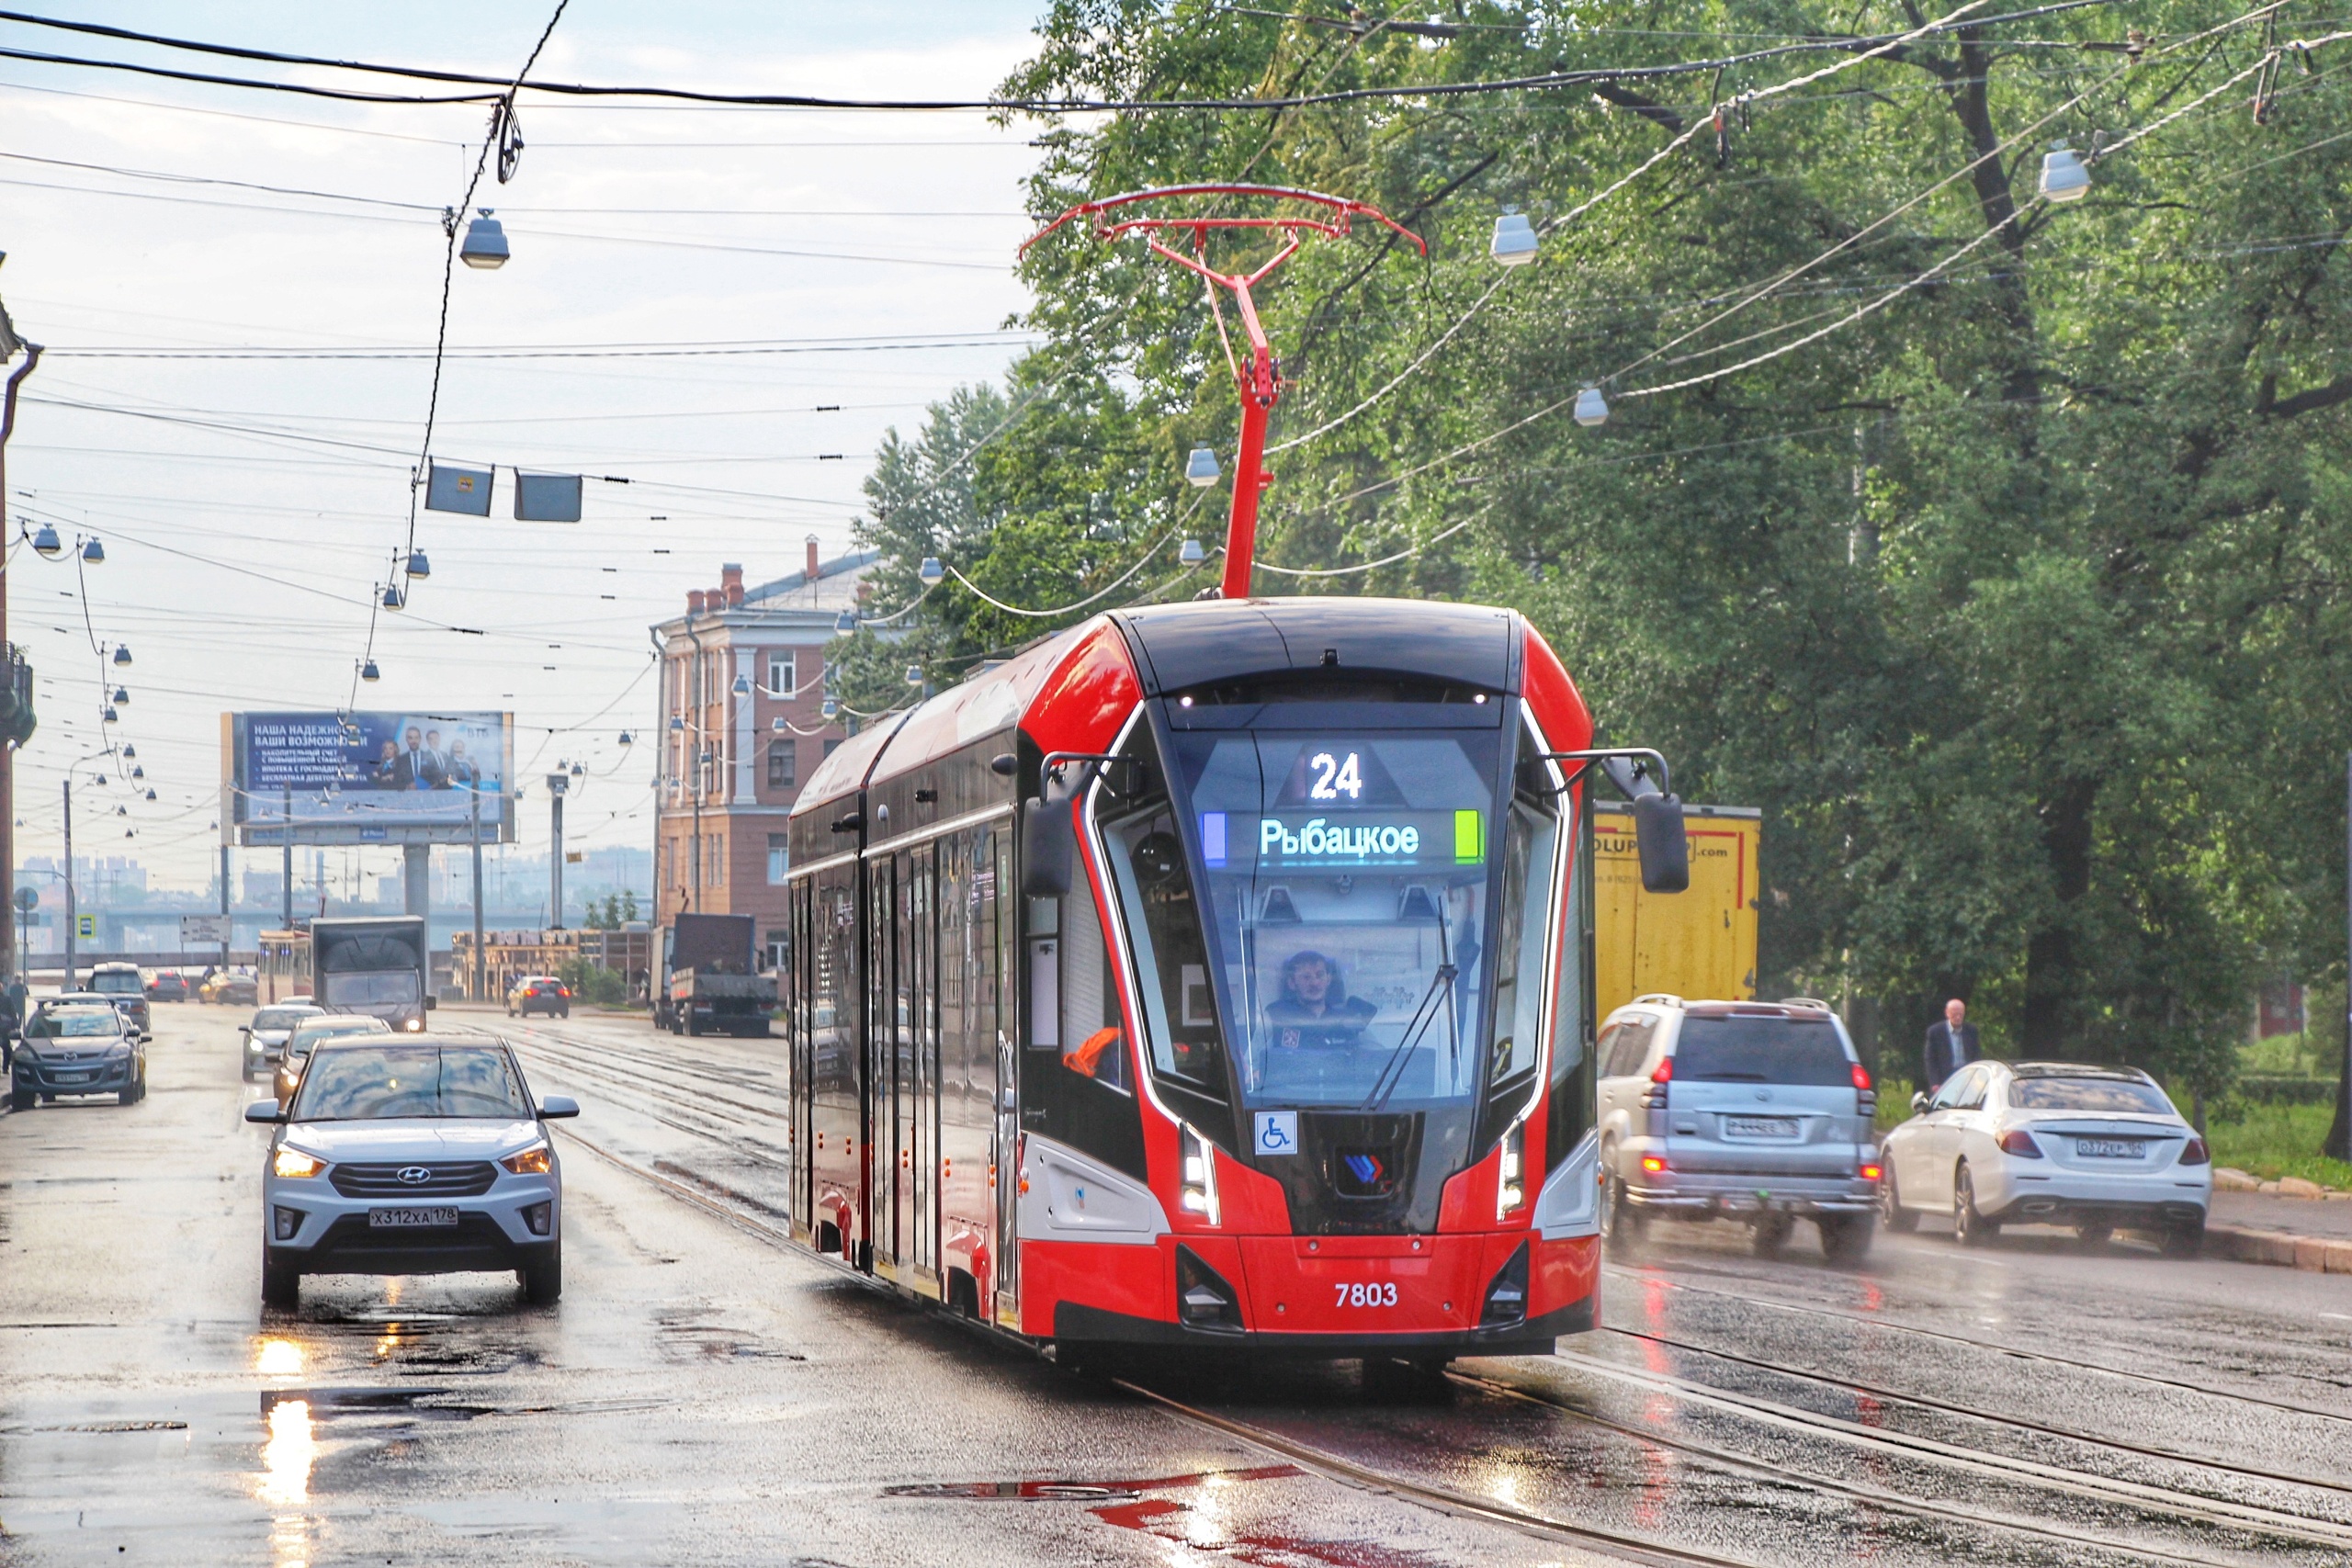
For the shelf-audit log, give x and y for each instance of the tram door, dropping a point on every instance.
(801, 1015)
(882, 1030)
(915, 1129)
(1003, 912)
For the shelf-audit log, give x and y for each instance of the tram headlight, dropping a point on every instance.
(1511, 1191)
(1198, 1192)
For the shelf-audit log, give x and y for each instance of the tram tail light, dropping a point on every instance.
(2018, 1142)
(1512, 1192)
(1203, 1300)
(1507, 1297)
(1198, 1192)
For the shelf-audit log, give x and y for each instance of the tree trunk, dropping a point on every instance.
(2052, 981)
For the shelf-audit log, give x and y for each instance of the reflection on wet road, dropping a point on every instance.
(700, 1394)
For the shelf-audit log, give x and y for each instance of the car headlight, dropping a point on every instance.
(533, 1161)
(292, 1161)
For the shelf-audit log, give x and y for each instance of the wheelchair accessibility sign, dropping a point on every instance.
(1277, 1133)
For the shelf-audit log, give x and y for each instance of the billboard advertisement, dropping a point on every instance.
(370, 777)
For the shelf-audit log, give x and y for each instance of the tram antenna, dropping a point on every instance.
(1258, 379)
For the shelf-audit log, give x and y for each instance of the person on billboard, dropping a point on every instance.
(437, 761)
(417, 768)
(462, 772)
(387, 773)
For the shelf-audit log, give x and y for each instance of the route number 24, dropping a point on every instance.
(1378, 1293)
(1336, 776)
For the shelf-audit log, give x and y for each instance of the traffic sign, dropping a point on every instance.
(85, 926)
(203, 930)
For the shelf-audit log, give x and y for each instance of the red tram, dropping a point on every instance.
(1216, 973)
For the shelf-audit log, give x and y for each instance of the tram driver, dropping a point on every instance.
(1315, 1009)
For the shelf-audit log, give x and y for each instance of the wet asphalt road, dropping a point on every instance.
(703, 1395)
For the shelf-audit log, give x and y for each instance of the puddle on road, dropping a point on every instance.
(1188, 1512)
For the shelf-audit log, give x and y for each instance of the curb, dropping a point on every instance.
(2311, 1253)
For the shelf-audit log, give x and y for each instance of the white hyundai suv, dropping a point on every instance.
(409, 1155)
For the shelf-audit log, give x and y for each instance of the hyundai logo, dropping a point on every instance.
(412, 1175)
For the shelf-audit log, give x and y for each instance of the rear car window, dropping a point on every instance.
(1760, 1050)
(2088, 1094)
(281, 1018)
(358, 1083)
(115, 984)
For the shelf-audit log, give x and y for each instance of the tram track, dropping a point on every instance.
(2250, 1527)
(1929, 1401)
(2072, 1363)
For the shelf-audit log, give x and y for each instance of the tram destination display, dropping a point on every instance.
(369, 776)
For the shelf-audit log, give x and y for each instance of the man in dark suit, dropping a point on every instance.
(1951, 1046)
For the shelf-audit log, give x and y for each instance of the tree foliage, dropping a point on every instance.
(2019, 602)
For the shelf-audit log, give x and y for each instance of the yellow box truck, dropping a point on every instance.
(1700, 942)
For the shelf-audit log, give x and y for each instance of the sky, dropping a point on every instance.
(250, 506)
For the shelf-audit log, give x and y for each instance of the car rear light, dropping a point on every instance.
(564, 991)
(1664, 1071)
(2195, 1153)
(1861, 1077)
(1197, 1192)
(1871, 1173)
(1203, 1298)
(1652, 1164)
(1507, 1297)
(2018, 1142)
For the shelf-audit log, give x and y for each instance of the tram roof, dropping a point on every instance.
(1178, 647)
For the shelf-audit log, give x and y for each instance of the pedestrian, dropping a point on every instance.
(1952, 1046)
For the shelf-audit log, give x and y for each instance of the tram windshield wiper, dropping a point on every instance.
(1424, 1013)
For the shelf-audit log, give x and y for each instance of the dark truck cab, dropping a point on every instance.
(711, 983)
(379, 968)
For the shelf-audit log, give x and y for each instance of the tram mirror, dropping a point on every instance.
(1664, 847)
(1046, 847)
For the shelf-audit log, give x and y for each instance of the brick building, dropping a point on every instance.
(743, 691)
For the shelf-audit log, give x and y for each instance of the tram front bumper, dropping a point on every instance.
(1506, 1292)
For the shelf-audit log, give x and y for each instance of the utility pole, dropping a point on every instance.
(286, 837)
(2339, 1134)
(557, 783)
(7, 651)
(228, 926)
(71, 919)
(475, 815)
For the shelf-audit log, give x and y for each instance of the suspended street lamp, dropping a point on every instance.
(121, 653)
(626, 738)
(367, 671)
(112, 718)
(94, 553)
(485, 244)
(140, 773)
(930, 571)
(1201, 468)
(123, 695)
(829, 708)
(1514, 242)
(418, 566)
(742, 686)
(46, 545)
(151, 795)
(392, 600)
(2063, 177)
(845, 623)
(1591, 407)
(1190, 553)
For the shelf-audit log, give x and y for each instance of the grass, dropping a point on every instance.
(2272, 1140)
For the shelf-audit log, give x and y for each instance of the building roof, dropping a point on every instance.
(835, 587)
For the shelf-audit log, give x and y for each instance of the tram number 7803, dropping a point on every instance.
(1358, 1293)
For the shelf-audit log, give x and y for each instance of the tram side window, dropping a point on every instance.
(1172, 961)
(1093, 1038)
(1573, 1064)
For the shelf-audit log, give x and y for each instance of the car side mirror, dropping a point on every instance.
(1047, 847)
(244, 1029)
(1662, 843)
(264, 1111)
(555, 1106)
(1918, 1103)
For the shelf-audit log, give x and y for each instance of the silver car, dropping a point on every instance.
(1755, 1112)
(77, 1044)
(265, 1037)
(411, 1155)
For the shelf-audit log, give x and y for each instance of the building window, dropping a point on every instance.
(779, 858)
(780, 768)
(779, 946)
(715, 871)
(780, 675)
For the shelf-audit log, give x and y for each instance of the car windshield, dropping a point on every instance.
(371, 988)
(309, 1035)
(2088, 1094)
(1346, 890)
(115, 985)
(281, 1018)
(360, 1083)
(1760, 1050)
(71, 1023)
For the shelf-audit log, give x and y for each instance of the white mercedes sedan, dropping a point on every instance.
(407, 1156)
(2076, 1143)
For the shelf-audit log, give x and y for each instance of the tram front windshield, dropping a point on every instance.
(1345, 885)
